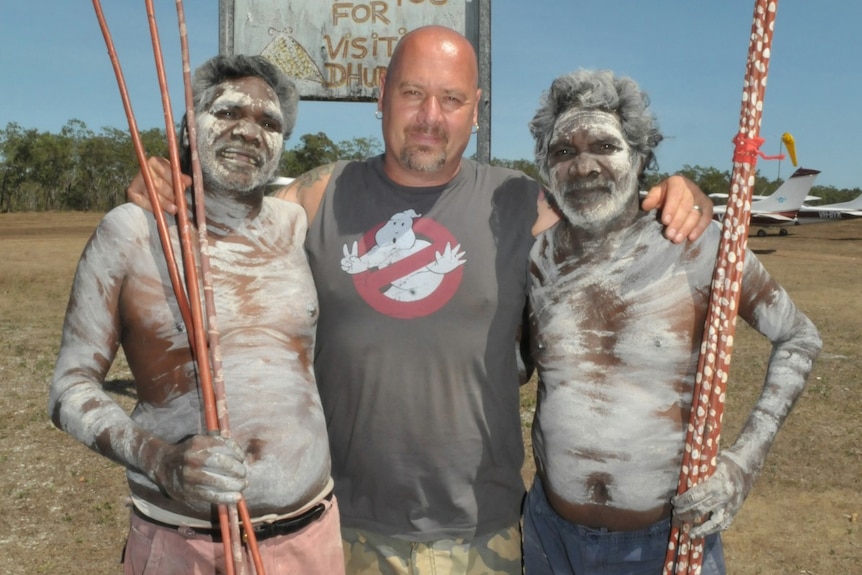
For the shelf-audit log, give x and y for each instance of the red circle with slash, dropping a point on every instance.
(373, 283)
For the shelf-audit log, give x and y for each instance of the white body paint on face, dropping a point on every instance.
(593, 170)
(240, 136)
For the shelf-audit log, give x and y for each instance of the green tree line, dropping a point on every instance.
(80, 169)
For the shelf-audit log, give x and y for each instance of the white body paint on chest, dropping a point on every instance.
(618, 341)
(613, 360)
(267, 313)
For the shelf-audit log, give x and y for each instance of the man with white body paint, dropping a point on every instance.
(278, 455)
(420, 259)
(618, 314)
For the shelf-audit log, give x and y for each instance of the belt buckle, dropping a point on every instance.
(261, 531)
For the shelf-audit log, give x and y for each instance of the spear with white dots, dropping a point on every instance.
(684, 554)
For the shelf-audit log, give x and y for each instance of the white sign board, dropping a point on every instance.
(335, 50)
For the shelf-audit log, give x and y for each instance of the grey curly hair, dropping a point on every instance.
(597, 90)
(222, 68)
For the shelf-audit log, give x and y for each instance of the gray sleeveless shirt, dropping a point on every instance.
(421, 293)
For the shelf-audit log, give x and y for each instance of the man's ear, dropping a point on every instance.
(381, 87)
(642, 162)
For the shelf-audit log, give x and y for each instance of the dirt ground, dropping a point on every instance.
(65, 510)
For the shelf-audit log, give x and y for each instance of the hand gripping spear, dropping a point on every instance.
(685, 555)
(205, 350)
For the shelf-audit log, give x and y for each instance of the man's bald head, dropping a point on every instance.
(439, 40)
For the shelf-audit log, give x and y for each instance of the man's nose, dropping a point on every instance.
(584, 165)
(430, 111)
(246, 130)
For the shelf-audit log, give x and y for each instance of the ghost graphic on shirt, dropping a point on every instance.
(393, 242)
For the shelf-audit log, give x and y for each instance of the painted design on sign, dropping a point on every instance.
(407, 267)
(291, 58)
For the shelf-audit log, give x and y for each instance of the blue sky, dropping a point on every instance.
(688, 55)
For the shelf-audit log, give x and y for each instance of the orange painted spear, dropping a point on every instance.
(227, 519)
(223, 423)
(685, 555)
(191, 311)
(161, 224)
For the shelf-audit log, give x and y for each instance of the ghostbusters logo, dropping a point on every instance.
(408, 267)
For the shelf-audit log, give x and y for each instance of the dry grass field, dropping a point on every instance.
(64, 507)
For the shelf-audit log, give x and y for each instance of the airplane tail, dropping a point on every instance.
(789, 196)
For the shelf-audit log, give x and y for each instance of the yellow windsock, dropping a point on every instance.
(790, 144)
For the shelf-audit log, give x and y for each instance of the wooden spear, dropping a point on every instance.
(188, 298)
(685, 555)
(164, 236)
(223, 423)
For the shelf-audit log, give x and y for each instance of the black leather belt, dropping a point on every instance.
(261, 530)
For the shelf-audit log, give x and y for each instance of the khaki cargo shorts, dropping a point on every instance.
(367, 553)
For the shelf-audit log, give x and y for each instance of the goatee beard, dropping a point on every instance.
(422, 159)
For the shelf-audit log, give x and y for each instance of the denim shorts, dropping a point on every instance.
(554, 546)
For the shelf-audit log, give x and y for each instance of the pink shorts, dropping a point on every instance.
(163, 550)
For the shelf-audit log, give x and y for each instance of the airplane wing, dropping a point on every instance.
(831, 212)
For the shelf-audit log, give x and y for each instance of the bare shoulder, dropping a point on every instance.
(287, 218)
(307, 190)
(126, 221)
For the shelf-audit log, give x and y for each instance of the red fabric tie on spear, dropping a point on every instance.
(685, 555)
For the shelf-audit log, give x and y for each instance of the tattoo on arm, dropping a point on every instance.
(312, 177)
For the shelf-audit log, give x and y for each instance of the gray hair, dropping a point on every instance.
(222, 68)
(597, 90)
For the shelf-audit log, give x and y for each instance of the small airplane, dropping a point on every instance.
(778, 209)
(830, 212)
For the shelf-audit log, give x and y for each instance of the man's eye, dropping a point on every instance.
(223, 114)
(560, 152)
(450, 104)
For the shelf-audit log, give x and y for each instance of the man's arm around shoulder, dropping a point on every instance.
(307, 190)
